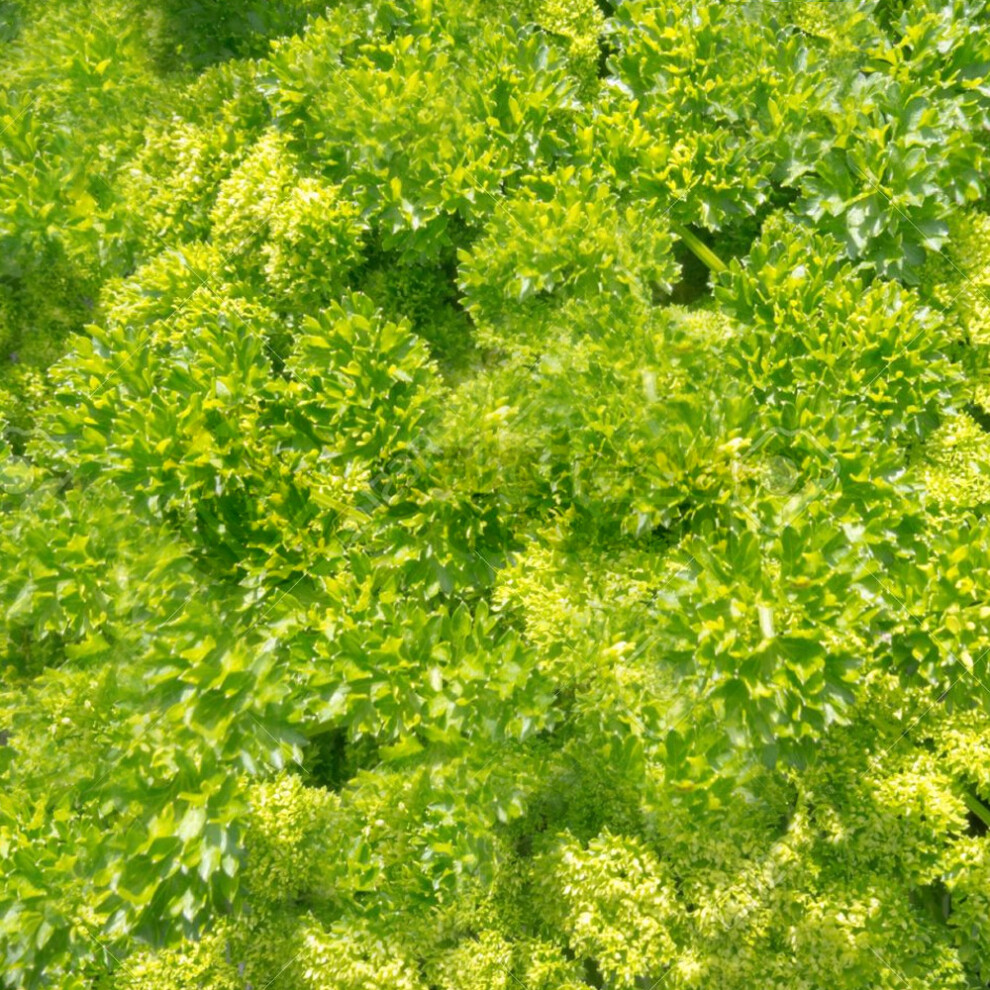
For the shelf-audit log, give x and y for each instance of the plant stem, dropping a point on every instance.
(699, 248)
(978, 808)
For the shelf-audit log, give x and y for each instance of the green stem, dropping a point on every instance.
(978, 808)
(699, 248)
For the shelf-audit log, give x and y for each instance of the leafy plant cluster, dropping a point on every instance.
(494, 494)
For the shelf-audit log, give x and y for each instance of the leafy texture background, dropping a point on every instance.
(494, 495)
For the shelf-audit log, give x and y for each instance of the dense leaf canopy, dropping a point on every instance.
(494, 494)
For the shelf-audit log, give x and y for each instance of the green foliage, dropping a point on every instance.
(565, 237)
(493, 495)
(959, 466)
(184, 415)
(171, 183)
(576, 25)
(880, 136)
(614, 904)
(199, 33)
(289, 833)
